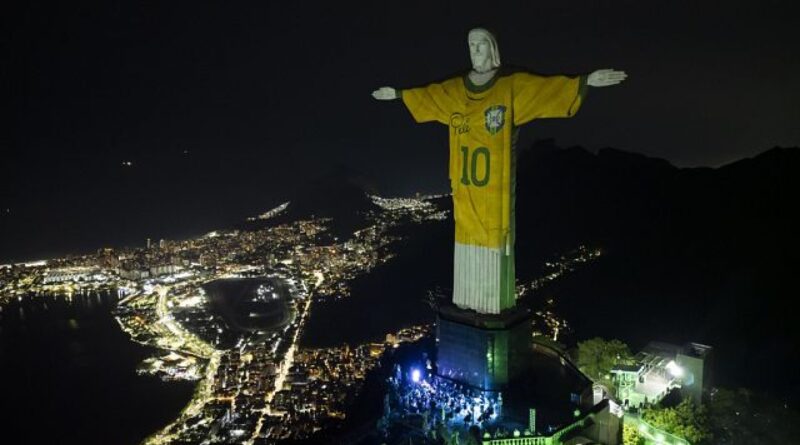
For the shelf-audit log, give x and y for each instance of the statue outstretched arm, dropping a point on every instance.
(428, 103)
(606, 78)
(556, 96)
(537, 96)
(386, 93)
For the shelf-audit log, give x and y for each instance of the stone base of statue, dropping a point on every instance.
(484, 351)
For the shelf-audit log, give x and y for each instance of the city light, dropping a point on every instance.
(161, 303)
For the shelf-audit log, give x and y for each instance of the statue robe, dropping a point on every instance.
(483, 123)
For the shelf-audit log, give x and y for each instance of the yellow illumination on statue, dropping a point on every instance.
(483, 111)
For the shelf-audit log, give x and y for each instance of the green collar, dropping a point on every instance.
(471, 87)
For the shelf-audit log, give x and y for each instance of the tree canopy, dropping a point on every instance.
(685, 420)
(741, 416)
(631, 436)
(597, 356)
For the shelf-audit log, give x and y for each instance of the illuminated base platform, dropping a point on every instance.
(540, 407)
(484, 351)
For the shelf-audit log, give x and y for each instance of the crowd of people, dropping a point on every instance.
(440, 400)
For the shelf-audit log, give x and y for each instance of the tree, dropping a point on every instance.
(596, 357)
(631, 436)
(740, 416)
(685, 420)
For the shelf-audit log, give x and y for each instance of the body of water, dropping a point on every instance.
(68, 375)
(251, 304)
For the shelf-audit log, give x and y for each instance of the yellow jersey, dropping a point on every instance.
(482, 122)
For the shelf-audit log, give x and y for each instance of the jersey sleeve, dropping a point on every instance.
(537, 96)
(434, 102)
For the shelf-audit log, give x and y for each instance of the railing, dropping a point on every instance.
(555, 439)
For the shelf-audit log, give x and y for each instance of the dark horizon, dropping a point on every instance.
(84, 227)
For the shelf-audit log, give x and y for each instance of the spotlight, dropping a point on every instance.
(415, 375)
(674, 369)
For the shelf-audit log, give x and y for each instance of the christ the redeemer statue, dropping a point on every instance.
(484, 110)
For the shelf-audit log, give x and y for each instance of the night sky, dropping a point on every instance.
(285, 86)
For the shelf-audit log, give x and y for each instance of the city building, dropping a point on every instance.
(659, 368)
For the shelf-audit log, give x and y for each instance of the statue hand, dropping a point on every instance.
(385, 93)
(606, 78)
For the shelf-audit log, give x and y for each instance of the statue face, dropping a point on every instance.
(480, 52)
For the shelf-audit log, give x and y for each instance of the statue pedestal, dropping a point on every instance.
(485, 351)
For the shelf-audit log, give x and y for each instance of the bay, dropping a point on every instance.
(68, 375)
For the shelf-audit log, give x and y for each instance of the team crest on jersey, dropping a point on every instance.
(495, 117)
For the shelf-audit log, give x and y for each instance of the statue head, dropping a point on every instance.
(483, 50)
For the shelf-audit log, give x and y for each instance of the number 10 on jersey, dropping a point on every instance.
(470, 163)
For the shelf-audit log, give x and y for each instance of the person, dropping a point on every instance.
(484, 110)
